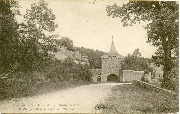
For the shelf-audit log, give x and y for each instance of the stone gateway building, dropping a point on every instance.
(112, 69)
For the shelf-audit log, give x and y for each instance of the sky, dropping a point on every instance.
(87, 24)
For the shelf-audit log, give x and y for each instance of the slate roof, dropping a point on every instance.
(112, 52)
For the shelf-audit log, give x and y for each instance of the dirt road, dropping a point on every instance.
(79, 99)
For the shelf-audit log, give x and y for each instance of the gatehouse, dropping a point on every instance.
(112, 70)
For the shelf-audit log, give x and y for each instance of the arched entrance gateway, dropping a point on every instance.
(112, 78)
(98, 79)
(111, 67)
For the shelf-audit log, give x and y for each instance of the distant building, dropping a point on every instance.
(157, 74)
(148, 78)
(63, 54)
(157, 71)
(112, 69)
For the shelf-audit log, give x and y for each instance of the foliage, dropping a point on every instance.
(136, 62)
(94, 57)
(65, 42)
(136, 53)
(54, 76)
(26, 65)
(162, 28)
(67, 70)
(9, 38)
(35, 35)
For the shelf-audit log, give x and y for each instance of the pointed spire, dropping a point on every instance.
(113, 49)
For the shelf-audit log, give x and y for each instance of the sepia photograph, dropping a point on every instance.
(89, 56)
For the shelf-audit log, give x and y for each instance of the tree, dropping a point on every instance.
(136, 62)
(9, 37)
(162, 28)
(94, 57)
(35, 35)
(65, 42)
(136, 53)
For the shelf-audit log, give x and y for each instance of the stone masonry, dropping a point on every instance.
(112, 69)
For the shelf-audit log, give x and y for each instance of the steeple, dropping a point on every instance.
(113, 49)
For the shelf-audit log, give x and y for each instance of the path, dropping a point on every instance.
(79, 99)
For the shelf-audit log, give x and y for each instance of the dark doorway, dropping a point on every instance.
(98, 78)
(112, 78)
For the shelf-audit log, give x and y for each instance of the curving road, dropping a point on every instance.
(79, 99)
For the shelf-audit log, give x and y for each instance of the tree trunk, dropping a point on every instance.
(168, 64)
(166, 82)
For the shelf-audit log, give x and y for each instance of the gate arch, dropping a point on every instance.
(98, 78)
(112, 78)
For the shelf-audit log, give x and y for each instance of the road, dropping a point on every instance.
(79, 99)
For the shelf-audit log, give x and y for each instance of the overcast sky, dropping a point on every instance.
(88, 25)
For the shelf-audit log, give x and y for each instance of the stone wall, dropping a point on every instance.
(131, 75)
(152, 87)
(95, 73)
(128, 75)
(138, 75)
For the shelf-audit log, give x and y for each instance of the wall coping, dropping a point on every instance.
(155, 87)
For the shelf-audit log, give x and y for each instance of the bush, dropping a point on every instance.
(56, 75)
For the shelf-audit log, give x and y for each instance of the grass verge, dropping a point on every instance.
(132, 99)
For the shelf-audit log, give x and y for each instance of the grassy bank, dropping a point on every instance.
(34, 84)
(132, 99)
(54, 75)
(16, 89)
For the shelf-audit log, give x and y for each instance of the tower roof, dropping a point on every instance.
(112, 49)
